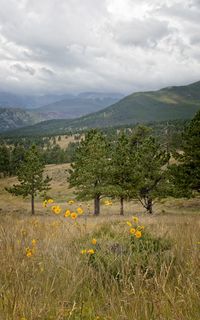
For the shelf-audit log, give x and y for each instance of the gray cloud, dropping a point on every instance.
(146, 33)
(74, 45)
(18, 67)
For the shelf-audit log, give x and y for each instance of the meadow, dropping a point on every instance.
(94, 268)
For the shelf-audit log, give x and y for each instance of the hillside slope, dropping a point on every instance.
(12, 118)
(166, 104)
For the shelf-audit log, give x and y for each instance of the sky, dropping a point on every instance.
(71, 46)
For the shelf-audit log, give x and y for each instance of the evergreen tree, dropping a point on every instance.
(30, 176)
(186, 173)
(17, 157)
(4, 160)
(89, 172)
(119, 177)
(149, 175)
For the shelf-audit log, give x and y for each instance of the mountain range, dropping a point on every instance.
(171, 103)
(18, 111)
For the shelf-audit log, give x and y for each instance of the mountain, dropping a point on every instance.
(12, 118)
(77, 106)
(178, 102)
(11, 100)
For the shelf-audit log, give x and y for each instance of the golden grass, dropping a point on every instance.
(58, 283)
(64, 140)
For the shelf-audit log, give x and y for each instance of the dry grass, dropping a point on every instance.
(64, 140)
(58, 283)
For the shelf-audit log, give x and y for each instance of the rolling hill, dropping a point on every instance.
(178, 102)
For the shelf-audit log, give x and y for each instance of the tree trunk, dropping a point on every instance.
(121, 206)
(32, 205)
(149, 206)
(97, 205)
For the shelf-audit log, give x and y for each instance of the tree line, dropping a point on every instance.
(11, 157)
(134, 165)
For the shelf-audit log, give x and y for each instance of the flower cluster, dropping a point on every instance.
(90, 251)
(57, 210)
(30, 251)
(47, 201)
(135, 229)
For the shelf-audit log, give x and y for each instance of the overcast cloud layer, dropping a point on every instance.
(62, 46)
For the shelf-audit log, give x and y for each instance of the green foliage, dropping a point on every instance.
(149, 173)
(17, 157)
(90, 170)
(186, 174)
(4, 160)
(122, 257)
(30, 176)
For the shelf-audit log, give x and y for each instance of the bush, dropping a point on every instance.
(123, 257)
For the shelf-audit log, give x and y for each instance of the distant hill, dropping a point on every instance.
(77, 106)
(13, 118)
(171, 103)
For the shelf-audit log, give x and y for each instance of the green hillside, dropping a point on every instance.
(170, 103)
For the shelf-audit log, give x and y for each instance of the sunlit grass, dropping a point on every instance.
(56, 281)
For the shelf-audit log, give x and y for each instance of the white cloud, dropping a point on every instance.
(75, 45)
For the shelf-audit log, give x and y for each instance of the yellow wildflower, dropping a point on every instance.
(80, 210)
(108, 202)
(90, 251)
(71, 202)
(94, 241)
(84, 251)
(67, 213)
(73, 215)
(29, 252)
(53, 208)
(56, 209)
(132, 231)
(135, 219)
(44, 203)
(33, 242)
(140, 228)
(138, 234)
(50, 200)
(129, 223)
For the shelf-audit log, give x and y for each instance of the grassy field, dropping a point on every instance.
(44, 276)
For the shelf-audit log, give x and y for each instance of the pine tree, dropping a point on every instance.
(186, 173)
(120, 172)
(149, 175)
(88, 174)
(17, 157)
(30, 176)
(4, 160)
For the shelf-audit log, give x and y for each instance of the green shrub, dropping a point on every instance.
(122, 257)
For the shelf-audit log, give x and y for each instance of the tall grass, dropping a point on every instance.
(57, 282)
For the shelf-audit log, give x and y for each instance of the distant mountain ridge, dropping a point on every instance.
(171, 103)
(12, 116)
(77, 106)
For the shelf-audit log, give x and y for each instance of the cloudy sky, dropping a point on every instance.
(98, 45)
